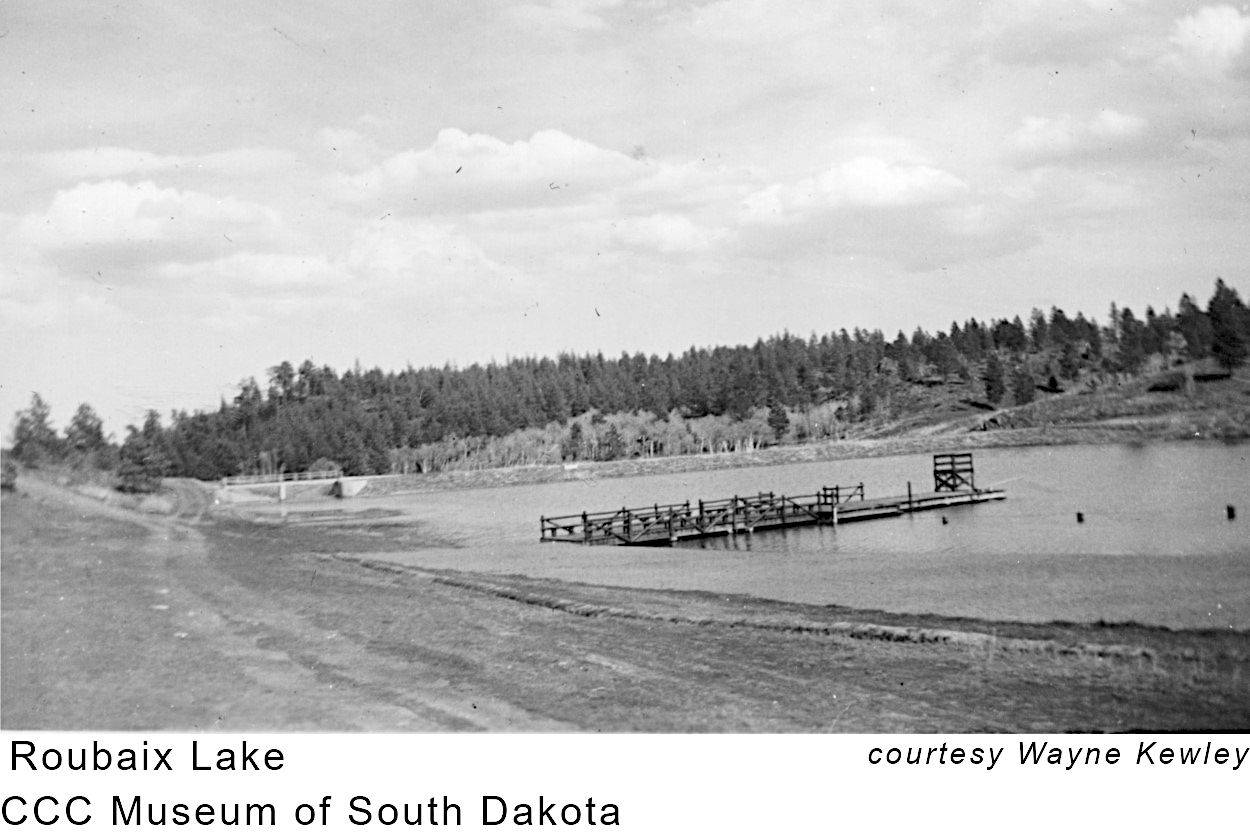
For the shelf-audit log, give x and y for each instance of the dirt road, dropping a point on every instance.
(113, 619)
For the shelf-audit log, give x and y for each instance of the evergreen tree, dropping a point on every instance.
(993, 379)
(778, 420)
(1022, 390)
(612, 446)
(571, 448)
(1132, 352)
(1039, 331)
(34, 439)
(1195, 326)
(1230, 326)
(85, 432)
(1069, 361)
(142, 464)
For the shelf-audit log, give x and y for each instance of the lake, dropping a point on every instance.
(1156, 545)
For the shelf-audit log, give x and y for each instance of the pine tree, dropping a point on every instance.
(85, 432)
(993, 378)
(778, 420)
(1230, 322)
(1132, 352)
(34, 439)
(1069, 361)
(613, 446)
(142, 463)
(1022, 390)
(1195, 326)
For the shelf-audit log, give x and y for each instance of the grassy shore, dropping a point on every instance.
(115, 619)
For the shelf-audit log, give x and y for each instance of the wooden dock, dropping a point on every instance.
(665, 524)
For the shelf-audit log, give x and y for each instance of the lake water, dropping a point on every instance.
(1155, 547)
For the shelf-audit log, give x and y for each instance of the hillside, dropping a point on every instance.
(783, 391)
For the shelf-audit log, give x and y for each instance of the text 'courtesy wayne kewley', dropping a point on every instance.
(1068, 757)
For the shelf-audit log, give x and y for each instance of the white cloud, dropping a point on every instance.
(565, 15)
(349, 148)
(109, 162)
(104, 162)
(1212, 39)
(114, 211)
(461, 171)
(864, 181)
(1058, 136)
(113, 225)
(252, 272)
(1047, 33)
(752, 20)
(666, 233)
(1112, 125)
(412, 256)
(1046, 136)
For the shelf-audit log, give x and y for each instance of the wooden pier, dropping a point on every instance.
(664, 524)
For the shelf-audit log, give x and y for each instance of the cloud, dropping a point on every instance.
(863, 181)
(1033, 32)
(381, 259)
(1112, 125)
(564, 15)
(1211, 40)
(109, 162)
(347, 147)
(1045, 138)
(114, 224)
(436, 261)
(258, 272)
(462, 171)
(752, 20)
(104, 162)
(665, 233)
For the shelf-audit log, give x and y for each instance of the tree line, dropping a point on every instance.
(589, 407)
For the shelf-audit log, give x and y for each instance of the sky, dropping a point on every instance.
(196, 191)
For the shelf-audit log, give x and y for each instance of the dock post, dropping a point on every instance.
(909, 496)
(585, 527)
(701, 525)
(733, 517)
(629, 526)
(835, 515)
(542, 528)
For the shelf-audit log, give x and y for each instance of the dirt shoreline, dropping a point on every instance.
(116, 620)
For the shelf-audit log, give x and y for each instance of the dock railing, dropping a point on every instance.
(953, 485)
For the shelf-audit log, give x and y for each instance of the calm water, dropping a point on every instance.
(1155, 547)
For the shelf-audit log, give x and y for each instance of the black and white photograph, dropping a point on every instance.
(625, 366)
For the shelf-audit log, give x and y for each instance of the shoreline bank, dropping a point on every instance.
(841, 450)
